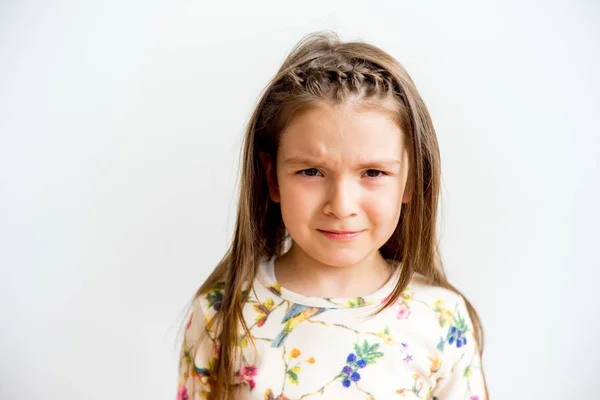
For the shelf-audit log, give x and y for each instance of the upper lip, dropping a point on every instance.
(339, 232)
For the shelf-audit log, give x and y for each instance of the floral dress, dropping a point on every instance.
(422, 347)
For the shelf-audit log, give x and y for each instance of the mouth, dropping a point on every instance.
(340, 235)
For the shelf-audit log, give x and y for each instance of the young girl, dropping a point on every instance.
(333, 287)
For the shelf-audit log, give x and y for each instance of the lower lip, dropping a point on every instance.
(340, 236)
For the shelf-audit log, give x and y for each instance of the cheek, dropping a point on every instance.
(297, 202)
(384, 209)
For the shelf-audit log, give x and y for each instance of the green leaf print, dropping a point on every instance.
(292, 374)
(215, 296)
(467, 371)
(368, 352)
(246, 296)
(357, 302)
(202, 371)
(293, 377)
(456, 332)
(441, 344)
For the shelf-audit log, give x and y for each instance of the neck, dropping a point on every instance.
(299, 272)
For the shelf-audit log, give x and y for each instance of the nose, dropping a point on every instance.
(342, 199)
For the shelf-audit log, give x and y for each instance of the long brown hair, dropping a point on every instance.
(321, 68)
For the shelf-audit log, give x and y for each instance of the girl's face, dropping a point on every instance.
(340, 169)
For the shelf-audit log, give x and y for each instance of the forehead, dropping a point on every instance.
(342, 132)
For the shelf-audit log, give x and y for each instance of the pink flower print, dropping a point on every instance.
(182, 393)
(474, 397)
(403, 312)
(247, 374)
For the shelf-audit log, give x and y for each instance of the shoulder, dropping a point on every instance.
(436, 296)
(205, 305)
(457, 353)
(202, 309)
(444, 313)
(209, 301)
(456, 331)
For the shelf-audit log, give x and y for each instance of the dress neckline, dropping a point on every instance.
(266, 275)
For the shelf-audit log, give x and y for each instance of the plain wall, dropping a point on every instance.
(120, 130)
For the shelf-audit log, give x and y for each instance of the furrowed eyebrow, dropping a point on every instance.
(382, 164)
(300, 161)
(386, 163)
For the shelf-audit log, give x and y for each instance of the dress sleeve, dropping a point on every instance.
(463, 377)
(198, 354)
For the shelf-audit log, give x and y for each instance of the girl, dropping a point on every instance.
(333, 287)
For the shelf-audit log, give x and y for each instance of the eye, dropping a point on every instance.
(374, 173)
(308, 172)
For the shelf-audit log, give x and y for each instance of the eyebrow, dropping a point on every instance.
(373, 163)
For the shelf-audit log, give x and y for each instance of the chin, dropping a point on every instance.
(339, 257)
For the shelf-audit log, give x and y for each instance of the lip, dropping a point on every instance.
(340, 235)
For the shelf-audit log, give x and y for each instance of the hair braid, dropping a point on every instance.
(347, 78)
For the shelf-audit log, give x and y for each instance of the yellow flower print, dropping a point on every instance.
(406, 295)
(270, 396)
(310, 360)
(388, 340)
(444, 315)
(276, 288)
(269, 304)
(204, 380)
(209, 324)
(436, 363)
(386, 336)
(295, 353)
(263, 311)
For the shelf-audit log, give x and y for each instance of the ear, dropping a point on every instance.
(406, 196)
(407, 181)
(271, 175)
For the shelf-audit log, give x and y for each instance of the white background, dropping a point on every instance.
(120, 129)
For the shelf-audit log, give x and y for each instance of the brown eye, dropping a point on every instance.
(309, 172)
(374, 173)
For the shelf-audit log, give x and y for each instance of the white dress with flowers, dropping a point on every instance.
(422, 347)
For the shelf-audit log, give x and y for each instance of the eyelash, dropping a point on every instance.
(301, 172)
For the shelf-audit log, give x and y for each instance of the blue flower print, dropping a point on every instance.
(215, 296)
(363, 356)
(349, 370)
(350, 375)
(456, 332)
